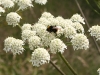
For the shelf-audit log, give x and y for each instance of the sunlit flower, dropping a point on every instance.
(63, 22)
(69, 32)
(79, 28)
(47, 15)
(98, 71)
(7, 3)
(44, 21)
(42, 2)
(57, 45)
(1, 10)
(46, 39)
(23, 4)
(80, 41)
(34, 42)
(26, 34)
(77, 18)
(40, 29)
(13, 18)
(26, 27)
(95, 31)
(39, 57)
(13, 45)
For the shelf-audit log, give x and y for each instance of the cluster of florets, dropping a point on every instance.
(22, 5)
(44, 37)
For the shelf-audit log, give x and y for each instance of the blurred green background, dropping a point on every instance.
(85, 62)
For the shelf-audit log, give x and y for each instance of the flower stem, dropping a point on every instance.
(62, 73)
(68, 65)
(19, 26)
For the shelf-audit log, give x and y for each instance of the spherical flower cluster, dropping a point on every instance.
(69, 32)
(53, 21)
(13, 45)
(7, 3)
(26, 27)
(80, 41)
(98, 71)
(1, 10)
(40, 29)
(13, 18)
(57, 45)
(34, 42)
(42, 2)
(39, 57)
(61, 22)
(44, 21)
(79, 28)
(23, 4)
(47, 39)
(77, 18)
(47, 15)
(26, 34)
(95, 31)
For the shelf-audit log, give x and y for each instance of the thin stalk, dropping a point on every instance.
(58, 69)
(67, 64)
(19, 26)
(94, 40)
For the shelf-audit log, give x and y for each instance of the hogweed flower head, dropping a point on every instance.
(1, 10)
(13, 18)
(7, 3)
(26, 34)
(34, 42)
(26, 27)
(13, 45)
(42, 2)
(98, 71)
(47, 15)
(46, 39)
(95, 31)
(44, 21)
(39, 57)
(40, 29)
(57, 45)
(23, 4)
(80, 41)
(69, 32)
(77, 18)
(79, 28)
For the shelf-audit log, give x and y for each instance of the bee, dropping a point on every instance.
(53, 29)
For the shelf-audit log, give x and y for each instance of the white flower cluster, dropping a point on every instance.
(77, 18)
(34, 42)
(98, 71)
(13, 18)
(95, 31)
(23, 4)
(57, 45)
(26, 34)
(40, 56)
(13, 45)
(80, 41)
(26, 27)
(46, 33)
(1, 10)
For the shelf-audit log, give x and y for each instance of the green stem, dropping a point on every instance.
(19, 26)
(67, 64)
(61, 72)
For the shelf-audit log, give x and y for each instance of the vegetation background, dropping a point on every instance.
(85, 62)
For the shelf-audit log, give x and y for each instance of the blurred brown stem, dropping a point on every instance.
(94, 40)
